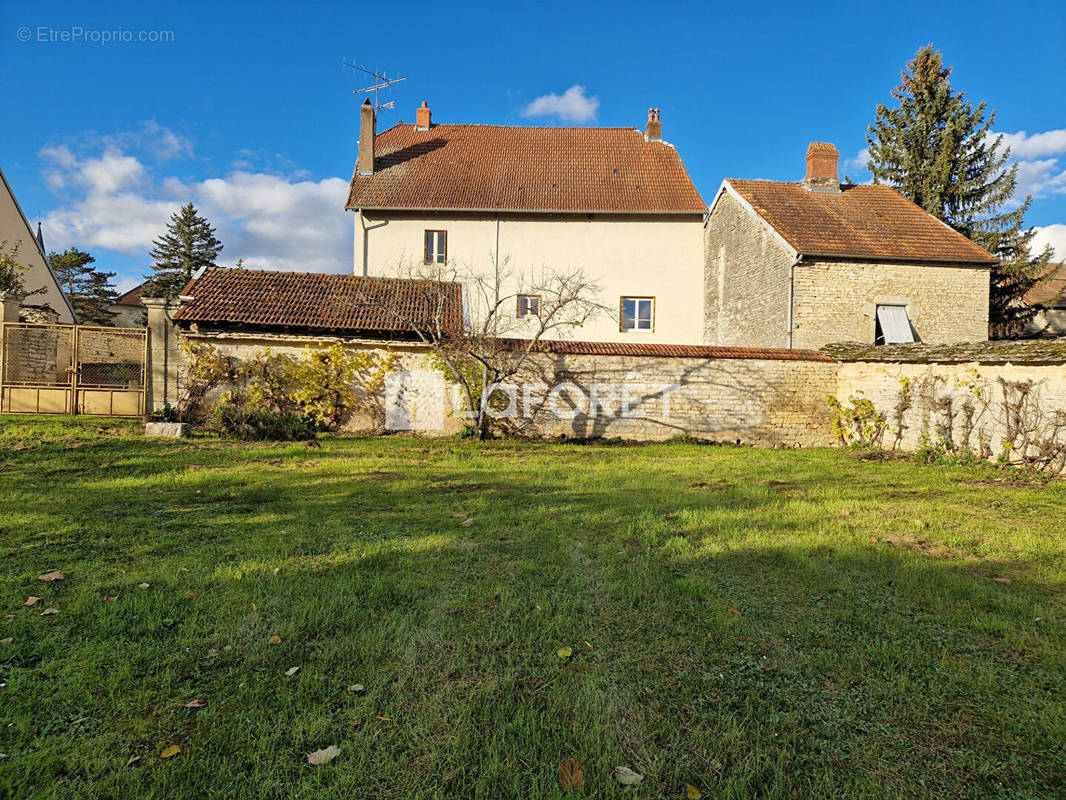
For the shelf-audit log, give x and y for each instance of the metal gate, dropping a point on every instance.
(72, 369)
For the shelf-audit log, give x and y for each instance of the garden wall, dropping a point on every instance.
(962, 396)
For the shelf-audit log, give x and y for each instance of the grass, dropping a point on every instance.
(755, 623)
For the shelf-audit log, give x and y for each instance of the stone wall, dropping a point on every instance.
(960, 405)
(746, 283)
(35, 354)
(835, 301)
(763, 402)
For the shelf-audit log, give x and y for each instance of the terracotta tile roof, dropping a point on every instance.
(670, 350)
(131, 297)
(868, 221)
(495, 167)
(1053, 290)
(314, 301)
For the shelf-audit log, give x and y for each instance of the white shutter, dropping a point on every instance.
(895, 325)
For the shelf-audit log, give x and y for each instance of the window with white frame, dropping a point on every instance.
(893, 326)
(436, 247)
(637, 314)
(528, 305)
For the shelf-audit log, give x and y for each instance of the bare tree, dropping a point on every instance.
(493, 342)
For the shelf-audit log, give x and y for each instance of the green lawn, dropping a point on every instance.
(755, 623)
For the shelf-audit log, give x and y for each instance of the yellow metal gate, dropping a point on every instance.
(72, 369)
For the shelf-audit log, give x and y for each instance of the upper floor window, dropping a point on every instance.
(436, 247)
(528, 305)
(638, 314)
(893, 326)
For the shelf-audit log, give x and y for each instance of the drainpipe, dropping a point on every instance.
(791, 293)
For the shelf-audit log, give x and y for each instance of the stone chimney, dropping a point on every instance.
(822, 175)
(423, 118)
(653, 132)
(364, 163)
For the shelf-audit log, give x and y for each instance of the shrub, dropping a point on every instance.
(257, 424)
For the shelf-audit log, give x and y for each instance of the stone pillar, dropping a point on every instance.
(164, 352)
(12, 303)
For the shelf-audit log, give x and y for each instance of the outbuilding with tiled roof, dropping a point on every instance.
(802, 264)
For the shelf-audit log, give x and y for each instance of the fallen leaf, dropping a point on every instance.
(196, 703)
(291, 671)
(80, 720)
(133, 761)
(627, 777)
(466, 523)
(323, 756)
(275, 640)
(845, 512)
(8, 640)
(32, 601)
(1004, 581)
(564, 652)
(732, 610)
(385, 719)
(170, 752)
(143, 585)
(191, 595)
(692, 792)
(54, 575)
(111, 599)
(357, 688)
(570, 775)
(254, 607)
(49, 611)
(457, 515)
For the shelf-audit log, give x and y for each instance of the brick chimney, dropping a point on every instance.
(822, 174)
(653, 132)
(423, 118)
(364, 163)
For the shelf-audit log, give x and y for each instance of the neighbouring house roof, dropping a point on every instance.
(868, 221)
(15, 229)
(261, 299)
(131, 297)
(638, 349)
(1051, 291)
(508, 168)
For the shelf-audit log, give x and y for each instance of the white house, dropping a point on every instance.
(615, 202)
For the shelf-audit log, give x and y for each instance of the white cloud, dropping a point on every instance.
(1024, 145)
(855, 167)
(573, 105)
(1054, 235)
(112, 200)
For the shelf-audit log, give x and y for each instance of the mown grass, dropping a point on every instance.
(755, 623)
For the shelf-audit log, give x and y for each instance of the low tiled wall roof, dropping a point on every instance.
(671, 350)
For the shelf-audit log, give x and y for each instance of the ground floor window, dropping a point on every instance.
(637, 314)
(528, 305)
(893, 326)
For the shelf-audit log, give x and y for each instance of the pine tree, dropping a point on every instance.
(938, 150)
(89, 290)
(188, 246)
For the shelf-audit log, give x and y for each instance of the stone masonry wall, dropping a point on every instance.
(746, 285)
(835, 301)
(748, 401)
(958, 403)
(32, 355)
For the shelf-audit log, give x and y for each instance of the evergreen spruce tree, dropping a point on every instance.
(188, 246)
(89, 290)
(938, 150)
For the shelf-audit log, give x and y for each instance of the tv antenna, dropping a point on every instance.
(381, 81)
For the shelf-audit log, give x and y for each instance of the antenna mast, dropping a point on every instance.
(381, 81)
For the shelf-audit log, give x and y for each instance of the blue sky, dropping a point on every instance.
(250, 114)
